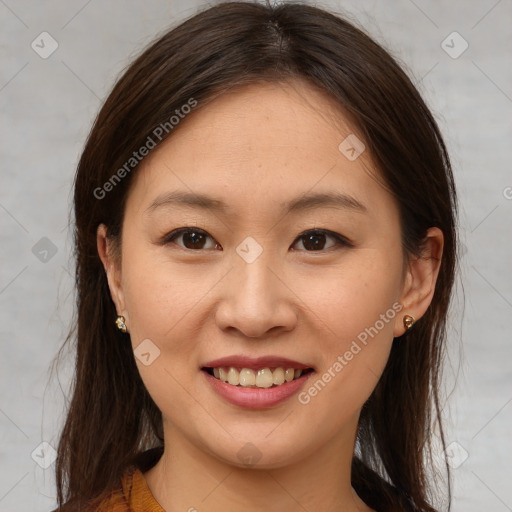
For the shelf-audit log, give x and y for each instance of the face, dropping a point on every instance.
(249, 235)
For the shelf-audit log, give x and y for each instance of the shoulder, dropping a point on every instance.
(131, 494)
(118, 499)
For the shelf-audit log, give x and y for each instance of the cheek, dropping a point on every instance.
(346, 310)
(354, 309)
(163, 302)
(159, 294)
(352, 297)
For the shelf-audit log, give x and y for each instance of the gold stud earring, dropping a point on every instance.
(408, 322)
(120, 324)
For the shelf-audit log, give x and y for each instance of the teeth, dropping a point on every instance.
(247, 378)
(223, 375)
(233, 377)
(278, 376)
(263, 378)
(289, 374)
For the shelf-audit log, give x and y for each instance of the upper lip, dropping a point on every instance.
(255, 363)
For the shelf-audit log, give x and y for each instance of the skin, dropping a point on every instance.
(255, 148)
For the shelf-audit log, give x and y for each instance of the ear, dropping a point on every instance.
(420, 279)
(112, 265)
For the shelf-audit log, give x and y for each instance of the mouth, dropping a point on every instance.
(256, 383)
(263, 378)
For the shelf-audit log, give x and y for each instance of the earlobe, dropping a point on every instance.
(112, 269)
(420, 280)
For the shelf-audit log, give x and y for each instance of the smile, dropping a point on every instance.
(256, 382)
(262, 378)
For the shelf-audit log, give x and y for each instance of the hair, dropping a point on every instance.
(112, 422)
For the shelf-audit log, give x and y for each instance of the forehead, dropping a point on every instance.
(256, 144)
(278, 115)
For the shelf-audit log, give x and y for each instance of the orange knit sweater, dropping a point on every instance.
(133, 495)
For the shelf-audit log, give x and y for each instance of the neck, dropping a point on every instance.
(189, 479)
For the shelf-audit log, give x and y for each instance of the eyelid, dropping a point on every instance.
(179, 231)
(169, 237)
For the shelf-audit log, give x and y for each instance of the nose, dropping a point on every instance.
(256, 300)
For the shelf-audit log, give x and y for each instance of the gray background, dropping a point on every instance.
(47, 109)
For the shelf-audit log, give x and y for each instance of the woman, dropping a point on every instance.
(265, 248)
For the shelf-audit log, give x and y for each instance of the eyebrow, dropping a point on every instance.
(306, 202)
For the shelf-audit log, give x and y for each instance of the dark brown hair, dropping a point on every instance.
(112, 421)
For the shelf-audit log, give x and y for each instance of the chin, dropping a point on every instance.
(258, 452)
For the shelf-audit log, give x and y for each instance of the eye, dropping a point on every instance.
(192, 238)
(315, 240)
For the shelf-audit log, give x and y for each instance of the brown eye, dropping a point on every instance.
(191, 238)
(316, 240)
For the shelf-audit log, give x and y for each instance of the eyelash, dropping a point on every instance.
(340, 240)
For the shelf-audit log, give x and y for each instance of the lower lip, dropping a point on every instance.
(256, 398)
